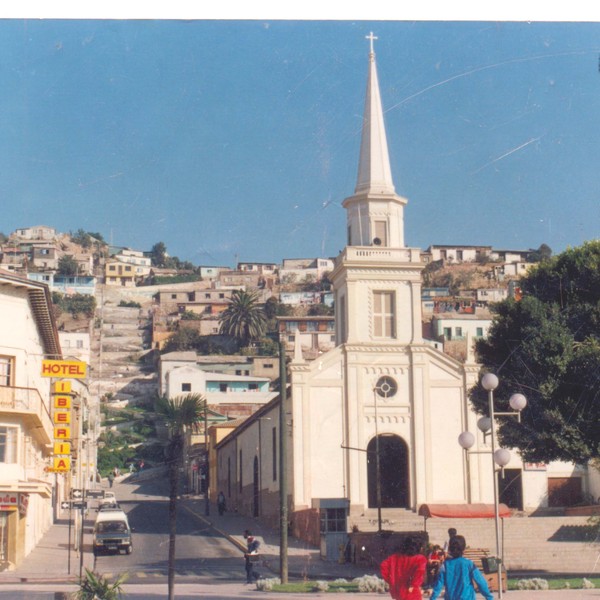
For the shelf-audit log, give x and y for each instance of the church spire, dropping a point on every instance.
(375, 213)
(374, 172)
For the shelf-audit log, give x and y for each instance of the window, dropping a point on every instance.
(229, 476)
(127, 268)
(386, 387)
(186, 387)
(253, 387)
(380, 237)
(8, 444)
(268, 366)
(479, 332)
(79, 343)
(383, 314)
(7, 367)
(342, 319)
(274, 451)
(238, 371)
(112, 268)
(291, 338)
(458, 332)
(333, 519)
(222, 387)
(448, 333)
(221, 296)
(207, 295)
(173, 296)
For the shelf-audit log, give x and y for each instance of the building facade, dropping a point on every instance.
(27, 490)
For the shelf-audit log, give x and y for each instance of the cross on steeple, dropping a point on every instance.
(371, 38)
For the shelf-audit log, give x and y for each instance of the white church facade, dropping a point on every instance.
(382, 394)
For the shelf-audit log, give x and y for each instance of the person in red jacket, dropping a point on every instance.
(404, 571)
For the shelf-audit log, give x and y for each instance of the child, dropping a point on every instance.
(405, 570)
(434, 562)
(458, 575)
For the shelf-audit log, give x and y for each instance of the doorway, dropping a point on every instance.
(393, 472)
(510, 488)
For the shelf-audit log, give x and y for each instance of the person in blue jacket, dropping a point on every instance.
(459, 575)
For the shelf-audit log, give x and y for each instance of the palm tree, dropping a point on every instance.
(179, 413)
(244, 318)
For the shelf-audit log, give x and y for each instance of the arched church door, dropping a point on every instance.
(393, 472)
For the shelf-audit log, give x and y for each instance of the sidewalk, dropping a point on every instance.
(51, 560)
(304, 560)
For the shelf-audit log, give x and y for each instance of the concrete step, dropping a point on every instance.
(553, 544)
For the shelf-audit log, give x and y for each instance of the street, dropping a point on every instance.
(202, 554)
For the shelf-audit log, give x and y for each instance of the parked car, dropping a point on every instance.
(112, 532)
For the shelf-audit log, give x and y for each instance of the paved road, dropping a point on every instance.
(224, 591)
(202, 554)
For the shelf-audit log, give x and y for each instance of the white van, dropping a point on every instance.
(112, 533)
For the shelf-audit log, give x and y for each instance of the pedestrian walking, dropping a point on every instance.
(221, 504)
(458, 575)
(451, 533)
(110, 479)
(404, 570)
(251, 556)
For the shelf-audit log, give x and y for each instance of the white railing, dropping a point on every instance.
(357, 253)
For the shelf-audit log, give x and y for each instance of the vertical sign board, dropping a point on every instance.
(61, 416)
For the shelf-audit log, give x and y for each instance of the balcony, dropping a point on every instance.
(28, 404)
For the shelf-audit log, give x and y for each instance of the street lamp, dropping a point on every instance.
(501, 456)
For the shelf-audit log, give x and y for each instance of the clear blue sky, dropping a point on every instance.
(239, 140)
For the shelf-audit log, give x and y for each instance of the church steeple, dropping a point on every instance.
(375, 213)
(374, 172)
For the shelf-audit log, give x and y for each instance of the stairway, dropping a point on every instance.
(533, 544)
(120, 344)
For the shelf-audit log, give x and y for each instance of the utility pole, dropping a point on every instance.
(283, 508)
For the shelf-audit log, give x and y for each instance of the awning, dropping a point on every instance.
(462, 511)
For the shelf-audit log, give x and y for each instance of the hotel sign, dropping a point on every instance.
(68, 369)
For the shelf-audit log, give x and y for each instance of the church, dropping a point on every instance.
(384, 399)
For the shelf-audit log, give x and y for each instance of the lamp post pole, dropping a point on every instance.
(283, 507)
(490, 383)
(500, 456)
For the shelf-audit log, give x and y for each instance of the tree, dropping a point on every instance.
(67, 265)
(547, 346)
(158, 254)
(544, 252)
(82, 238)
(179, 413)
(244, 318)
(97, 236)
(183, 339)
(320, 310)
